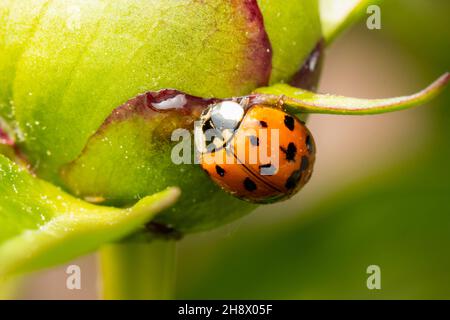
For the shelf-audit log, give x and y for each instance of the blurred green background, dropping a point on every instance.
(380, 194)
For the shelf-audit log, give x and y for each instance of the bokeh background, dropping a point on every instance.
(380, 194)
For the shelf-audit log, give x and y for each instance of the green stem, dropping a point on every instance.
(298, 100)
(9, 288)
(138, 270)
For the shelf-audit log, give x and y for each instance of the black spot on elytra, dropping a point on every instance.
(290, 152)
(293, 179)
(267, 169)
(254, 140)
(207, 125)
(249, 185)
(305, 163)
(220, 171)
(309, 144)
(289, 122)
(263, 124)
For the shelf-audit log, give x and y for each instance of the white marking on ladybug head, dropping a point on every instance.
(226, 115)
(218, 125)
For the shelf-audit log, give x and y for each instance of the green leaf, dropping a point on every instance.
(73, 62)
(41, 225)
(338, 15)
(7, 151)
(294, 29)
(302, 101)
(17, 25)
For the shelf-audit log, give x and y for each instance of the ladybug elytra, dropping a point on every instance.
(257, 152)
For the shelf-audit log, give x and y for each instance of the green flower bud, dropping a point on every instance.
(65, 66)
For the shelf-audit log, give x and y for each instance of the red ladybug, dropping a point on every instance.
(258, 153)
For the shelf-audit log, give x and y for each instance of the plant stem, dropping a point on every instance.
(9, 288)
(298, 100)
(139, 270)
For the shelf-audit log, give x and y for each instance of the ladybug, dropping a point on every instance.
(256, 152)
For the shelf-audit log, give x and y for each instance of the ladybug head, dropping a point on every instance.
(219, 123)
